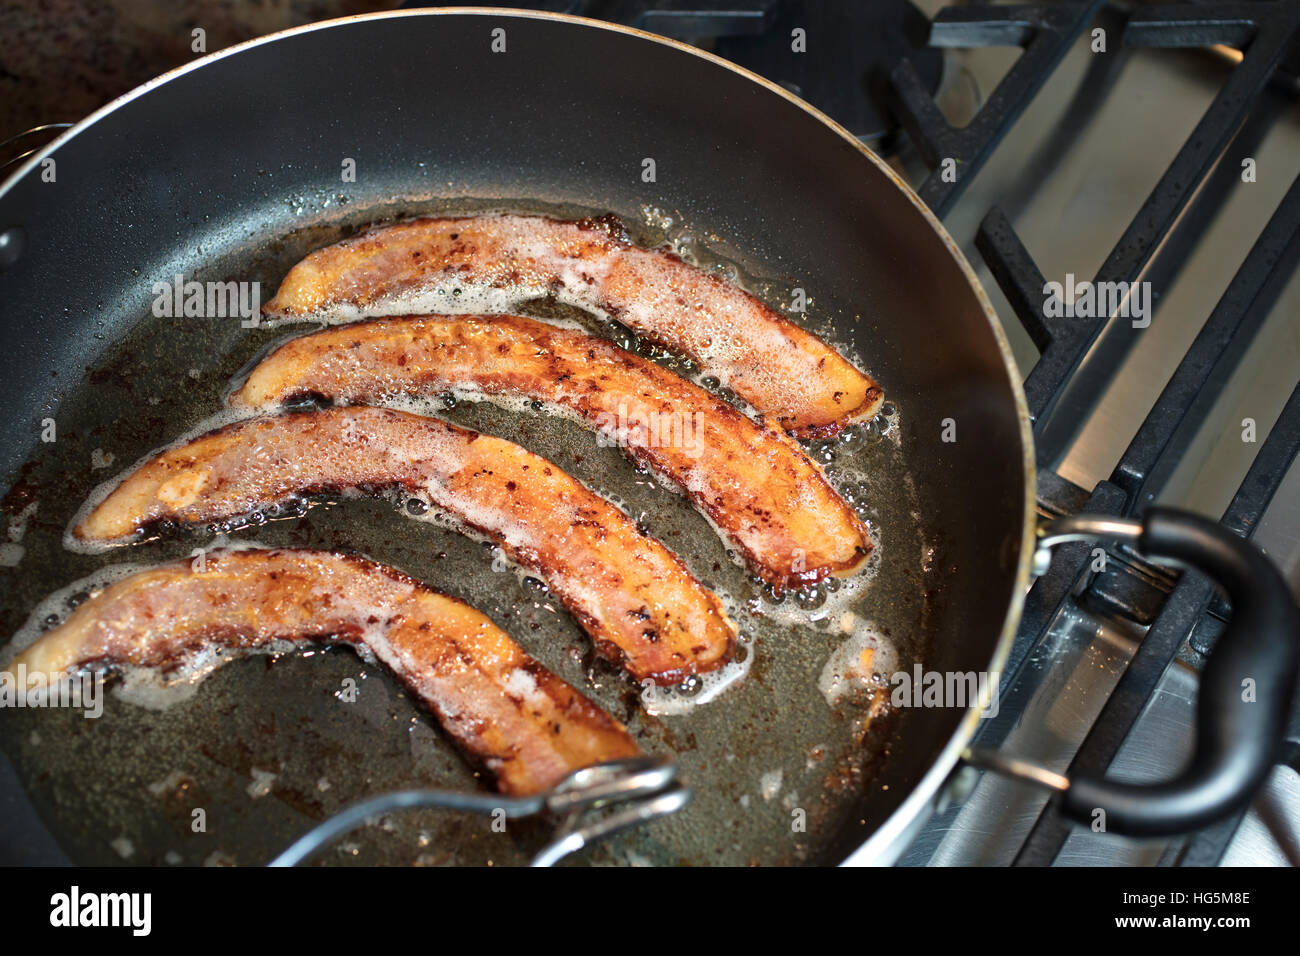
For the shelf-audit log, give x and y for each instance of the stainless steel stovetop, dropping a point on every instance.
(1071, 174)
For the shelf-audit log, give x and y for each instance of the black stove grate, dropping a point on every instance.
(1064, 385)
(1045, 31)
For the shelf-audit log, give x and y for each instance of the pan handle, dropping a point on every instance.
(1245, 692)
(17, 142)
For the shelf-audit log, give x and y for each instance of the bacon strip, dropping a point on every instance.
(635, 598)
(524, 724)
(755, 484)
(429, 265)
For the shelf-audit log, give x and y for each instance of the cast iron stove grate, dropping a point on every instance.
(1078, 356)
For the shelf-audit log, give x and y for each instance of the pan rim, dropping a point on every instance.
(901, 822)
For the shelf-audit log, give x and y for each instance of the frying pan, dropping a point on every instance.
(231, 169)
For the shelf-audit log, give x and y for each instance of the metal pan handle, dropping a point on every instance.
(20, 142)
(1245, 692)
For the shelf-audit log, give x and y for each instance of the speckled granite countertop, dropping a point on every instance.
(62, 59)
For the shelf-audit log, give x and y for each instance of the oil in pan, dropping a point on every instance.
(776, 750)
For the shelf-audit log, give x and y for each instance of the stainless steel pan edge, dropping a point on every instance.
(887, 844)
(889, 840)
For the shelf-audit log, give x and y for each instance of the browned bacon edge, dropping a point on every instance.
(755, 484)
(503, 708)
(784, 371)
(638, 601)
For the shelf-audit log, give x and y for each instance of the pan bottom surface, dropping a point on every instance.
(266, 747)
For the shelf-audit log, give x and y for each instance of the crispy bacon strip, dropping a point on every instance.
(524, 724)
(429, 265)
(755, 484)
(635, 598)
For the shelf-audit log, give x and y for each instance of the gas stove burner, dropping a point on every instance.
(840, 63)
(850, 50)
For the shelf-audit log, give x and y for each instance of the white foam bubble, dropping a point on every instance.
(823, 603)
(769, 784)
(699, 690)
(858, 663)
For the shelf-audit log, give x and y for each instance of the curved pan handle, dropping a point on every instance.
(635, 790)
(1245, 692)
(16, 142)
